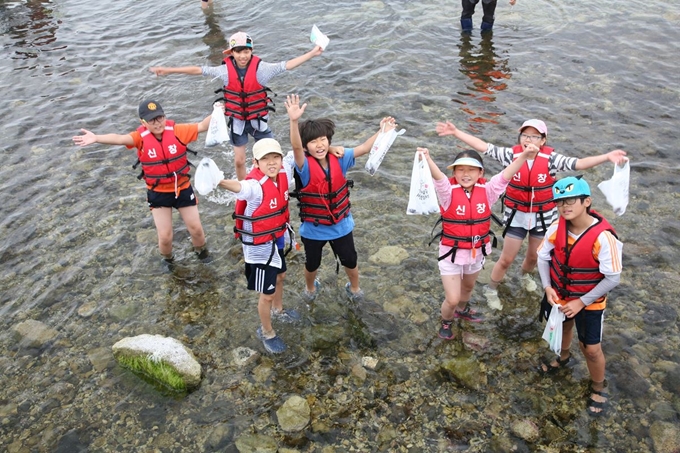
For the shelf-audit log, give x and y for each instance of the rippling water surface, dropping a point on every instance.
(78, 247)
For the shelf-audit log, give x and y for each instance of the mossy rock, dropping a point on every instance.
(164, 360)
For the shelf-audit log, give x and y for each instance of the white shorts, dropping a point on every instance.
(446, 267)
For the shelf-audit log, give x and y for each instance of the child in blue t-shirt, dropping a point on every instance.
(323, 193)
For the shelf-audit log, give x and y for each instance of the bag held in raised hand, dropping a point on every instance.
(380, 147)
(553, 329)
(318, 38)
(208, 176)
(217, 131)
(422, 198)
(616, 189)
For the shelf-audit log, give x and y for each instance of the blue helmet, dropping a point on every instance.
(570, 187)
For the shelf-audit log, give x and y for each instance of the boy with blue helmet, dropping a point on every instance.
(579, 262)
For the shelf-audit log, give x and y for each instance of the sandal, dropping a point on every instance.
(597, 408)
(547, 367)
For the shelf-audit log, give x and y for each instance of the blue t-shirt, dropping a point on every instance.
(327, 232)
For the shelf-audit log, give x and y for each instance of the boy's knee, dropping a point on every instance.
(165, 237)
(593, 352)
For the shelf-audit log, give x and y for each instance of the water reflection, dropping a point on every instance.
(488, 74)
(31, 25)
(214, 37)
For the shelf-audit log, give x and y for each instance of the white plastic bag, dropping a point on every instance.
(319, 38)
(217, 131)
(422, 198)
(289, 166)
(616, 189)
(553, 329)
(380, 147)
(208, 176)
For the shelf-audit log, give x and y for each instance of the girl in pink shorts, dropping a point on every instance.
(465, 201)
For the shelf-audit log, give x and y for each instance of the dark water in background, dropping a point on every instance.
(74, 228)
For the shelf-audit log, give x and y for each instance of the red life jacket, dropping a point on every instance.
(270, 220)
(163, 161)
(467, 221)
(530, 190)
(573, 270)
(247, 99)
(325, 200)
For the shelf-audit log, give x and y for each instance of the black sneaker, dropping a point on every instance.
(168, 265)
(468, 315)
(204, 256)
(445, 330)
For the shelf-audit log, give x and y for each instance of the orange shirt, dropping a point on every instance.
(185, 133)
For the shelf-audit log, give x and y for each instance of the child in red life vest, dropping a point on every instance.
(323, 194)
(529, 208)
(465, 203)
(244, 76)
(261, 222)
(161, 148)
(579, 262)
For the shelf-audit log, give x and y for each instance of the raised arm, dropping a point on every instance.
(191, 70)
(530, 152)
(473, 142)
(231, 185)
(107, 139)
(437, 174)
(294, 114)
(295, 62)
(386, 124)
(618, 156)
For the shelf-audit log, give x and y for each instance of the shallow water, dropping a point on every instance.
(75, 231)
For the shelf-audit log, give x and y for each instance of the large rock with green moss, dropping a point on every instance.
(163, 359)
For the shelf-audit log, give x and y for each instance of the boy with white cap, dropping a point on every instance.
(529, 207)
(579, 262)
(261, 222)
(245, 78)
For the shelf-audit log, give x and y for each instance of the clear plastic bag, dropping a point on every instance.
(422, 197)
(553, 329)
(380, 147)
(208, 176)
(217, 131)
(616, 189)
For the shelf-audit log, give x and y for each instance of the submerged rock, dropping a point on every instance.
(294, 415)
(369, 362)
(526, 429)
(467, 371)
(34, 334)
(666, 437)
(163, 359)
(256, 443)
(391, 255)
(244, 356)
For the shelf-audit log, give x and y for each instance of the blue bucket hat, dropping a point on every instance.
(570, 187)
